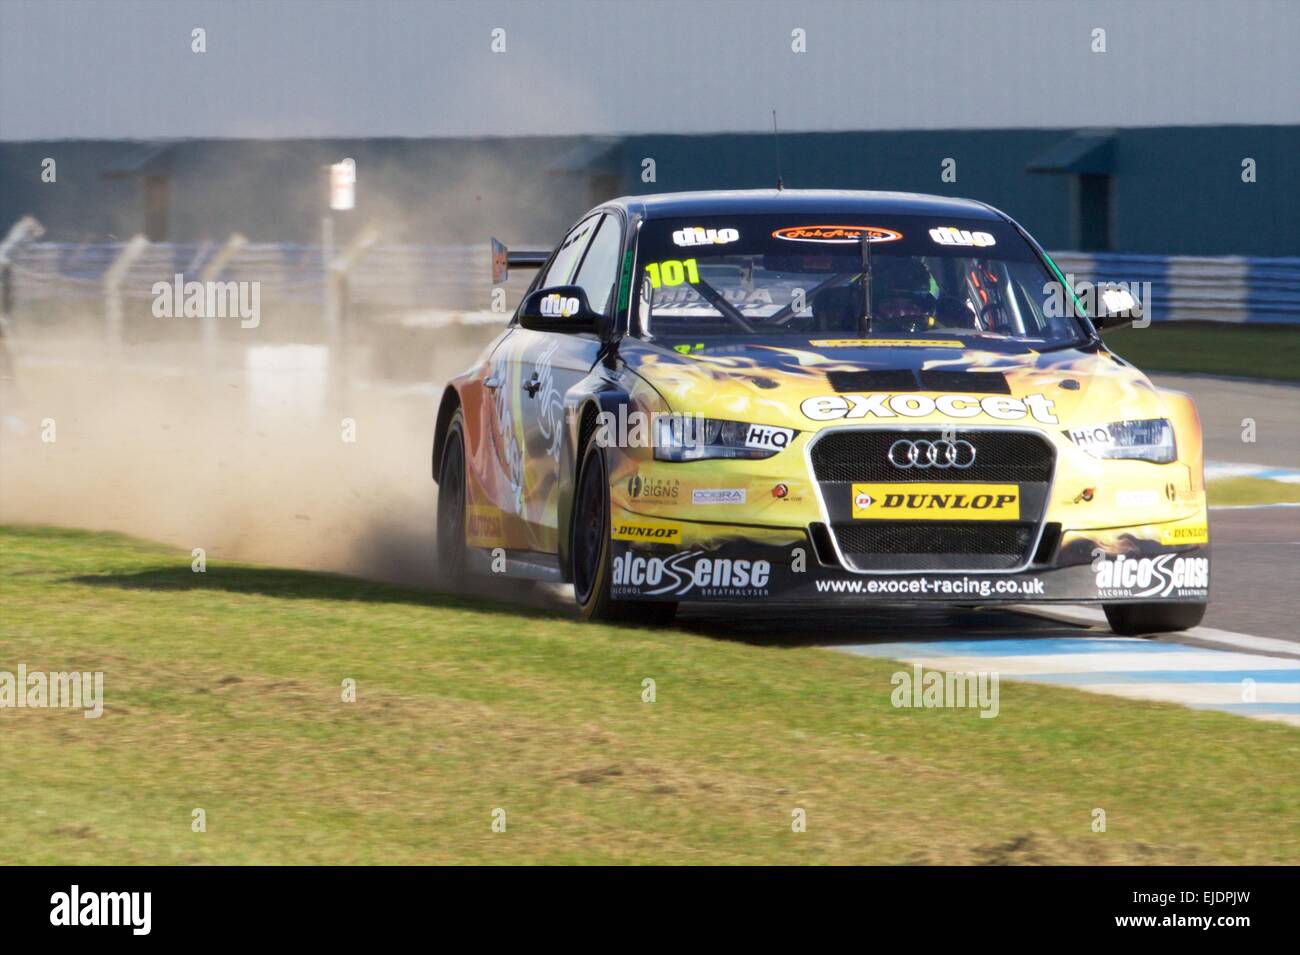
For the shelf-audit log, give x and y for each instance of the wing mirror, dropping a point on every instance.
(562, 308)
(1115, 306)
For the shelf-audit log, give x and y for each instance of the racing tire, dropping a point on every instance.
(1131, 620)
(450, 541)
(591, 555)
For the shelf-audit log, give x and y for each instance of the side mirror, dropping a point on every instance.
(562, 308)
(1115, 306)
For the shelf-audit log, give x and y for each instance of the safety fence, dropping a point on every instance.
(373, 275)
(1195, 288)
(397, 276)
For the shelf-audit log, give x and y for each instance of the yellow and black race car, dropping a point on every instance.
(817, 398)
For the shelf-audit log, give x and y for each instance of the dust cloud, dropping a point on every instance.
(275, 446)
(267, 459)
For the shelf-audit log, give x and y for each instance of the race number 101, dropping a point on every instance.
(673, 272)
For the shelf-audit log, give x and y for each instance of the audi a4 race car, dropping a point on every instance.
(817, 398)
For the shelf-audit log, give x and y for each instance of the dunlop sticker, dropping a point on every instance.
(646, 533)
(936, 502)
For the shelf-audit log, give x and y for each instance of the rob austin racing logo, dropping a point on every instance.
(1163, 576)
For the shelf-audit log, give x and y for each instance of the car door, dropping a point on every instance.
(550, 363)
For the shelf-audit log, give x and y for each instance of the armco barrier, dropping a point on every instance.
(1220, 289)
(1227, 289)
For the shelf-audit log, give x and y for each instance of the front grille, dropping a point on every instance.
(1000, 456)
(893, 546)
(842, 457)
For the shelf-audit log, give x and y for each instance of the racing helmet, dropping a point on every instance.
(902, 295)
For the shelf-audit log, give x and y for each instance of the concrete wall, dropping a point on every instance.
(1177, 190)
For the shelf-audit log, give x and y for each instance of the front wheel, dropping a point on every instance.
(592, 562)
(1132, 620)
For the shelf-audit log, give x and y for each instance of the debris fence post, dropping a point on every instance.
(113, 291)
(338, 272)
(27, 229)
(212, 273)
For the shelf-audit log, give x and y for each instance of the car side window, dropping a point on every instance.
(599, 268)
(570, 252)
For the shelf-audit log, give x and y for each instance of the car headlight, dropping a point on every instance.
(1151, 439)
(693, 438)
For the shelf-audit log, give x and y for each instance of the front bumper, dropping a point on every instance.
(657, 559)
(790, 529)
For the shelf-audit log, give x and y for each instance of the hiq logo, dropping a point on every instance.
(761, 436)
(558, 306)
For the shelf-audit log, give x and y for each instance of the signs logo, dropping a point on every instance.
(914, 405)
(836, 234)
(662, 488)
(946, 502)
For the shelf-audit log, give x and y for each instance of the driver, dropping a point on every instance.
(904, 298)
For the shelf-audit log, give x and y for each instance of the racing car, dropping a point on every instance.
(817, 398)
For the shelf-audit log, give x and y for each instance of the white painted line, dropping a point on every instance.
(1094, 662)
(1291, 719)
(1073, 613)
(1252, 507)
(1242, 641)
(1067, 613)
(1193, 694)
(1219, 469)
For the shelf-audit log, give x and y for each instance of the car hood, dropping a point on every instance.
(772, 383)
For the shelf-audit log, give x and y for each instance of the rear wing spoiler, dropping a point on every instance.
(503, 259)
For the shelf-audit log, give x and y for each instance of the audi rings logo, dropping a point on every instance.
(931, 454)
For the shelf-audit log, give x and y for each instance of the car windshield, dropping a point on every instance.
(807, 275)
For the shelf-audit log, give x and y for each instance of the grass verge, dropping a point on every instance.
(223, 692)
(1212, 348)
(1248, 490)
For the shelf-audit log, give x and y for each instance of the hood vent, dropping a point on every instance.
(896, 380)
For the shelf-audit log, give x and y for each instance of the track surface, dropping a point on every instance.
(1199, 669)
(1255, 571)
(1256, 564)
(1223, 404)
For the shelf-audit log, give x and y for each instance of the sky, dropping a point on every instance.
(125, 69)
